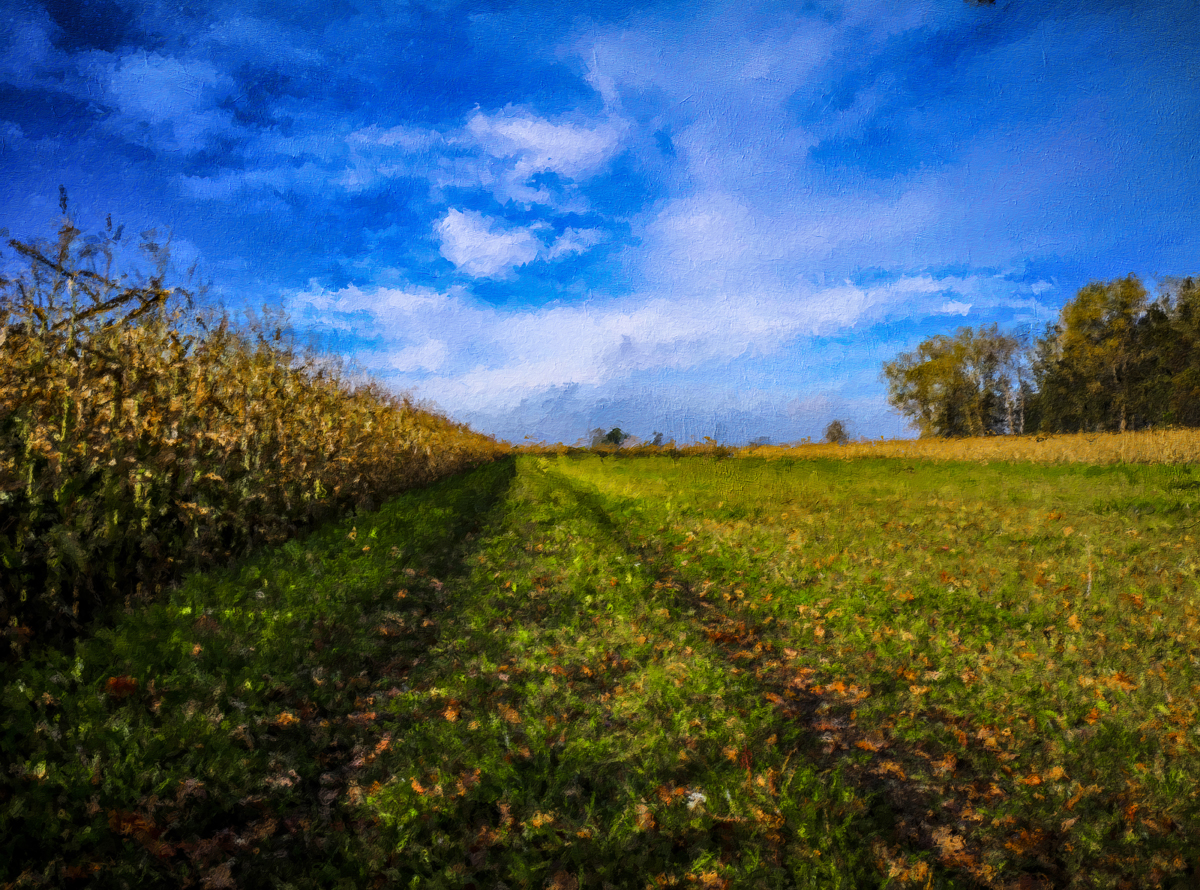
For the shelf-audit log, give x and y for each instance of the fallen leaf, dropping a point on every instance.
(1122, 681)
(510, 714)
(645, 819)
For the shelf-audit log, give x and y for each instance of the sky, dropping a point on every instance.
(693, 218)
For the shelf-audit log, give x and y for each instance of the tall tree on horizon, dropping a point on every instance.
(960, 385)
(1093, 365)
(1181, 358)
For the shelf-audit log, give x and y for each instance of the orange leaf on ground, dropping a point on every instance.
(1123, 681)
(645, 819)
(510, 714)
(946, 765)
(890, 767)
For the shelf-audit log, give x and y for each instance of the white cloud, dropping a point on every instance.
(498, 153)
(471, 356)
(955, 307)
(536, 145)
(574, 241)
(430, 355)
(486, 248)
(481, 247)
(403, 138)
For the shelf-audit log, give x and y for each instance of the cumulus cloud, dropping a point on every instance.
(486, 248)
(481, 247)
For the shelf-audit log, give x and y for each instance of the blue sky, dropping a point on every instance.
(705, 219)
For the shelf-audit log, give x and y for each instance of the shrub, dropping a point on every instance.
(836, 433)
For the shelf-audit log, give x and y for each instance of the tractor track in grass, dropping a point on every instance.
(535, 683)
(925, 817)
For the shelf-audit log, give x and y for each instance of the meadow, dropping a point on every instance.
(647, 671)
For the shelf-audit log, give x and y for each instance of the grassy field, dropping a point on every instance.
(647, 672)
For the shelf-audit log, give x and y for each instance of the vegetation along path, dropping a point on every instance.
(647, 673)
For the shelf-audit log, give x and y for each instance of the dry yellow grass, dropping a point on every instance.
(1168, 446)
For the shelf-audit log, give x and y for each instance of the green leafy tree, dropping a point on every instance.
(1166, 379)
(615, 436)
(960, 385)
(1094, 366)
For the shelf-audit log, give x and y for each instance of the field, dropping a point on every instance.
(576, 672)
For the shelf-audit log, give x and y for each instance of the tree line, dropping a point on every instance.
(1114, 360)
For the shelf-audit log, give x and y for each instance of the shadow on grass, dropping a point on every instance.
(822, 724)
(224, 736)
(565, 733)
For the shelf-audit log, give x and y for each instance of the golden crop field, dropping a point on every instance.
(1168, 446)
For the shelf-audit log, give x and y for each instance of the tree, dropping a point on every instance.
(960, 385)
(1181, 363)
(836, 433)
(1094, 367)
(615, 436)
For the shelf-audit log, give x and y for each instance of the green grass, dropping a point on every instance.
(647, 673)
